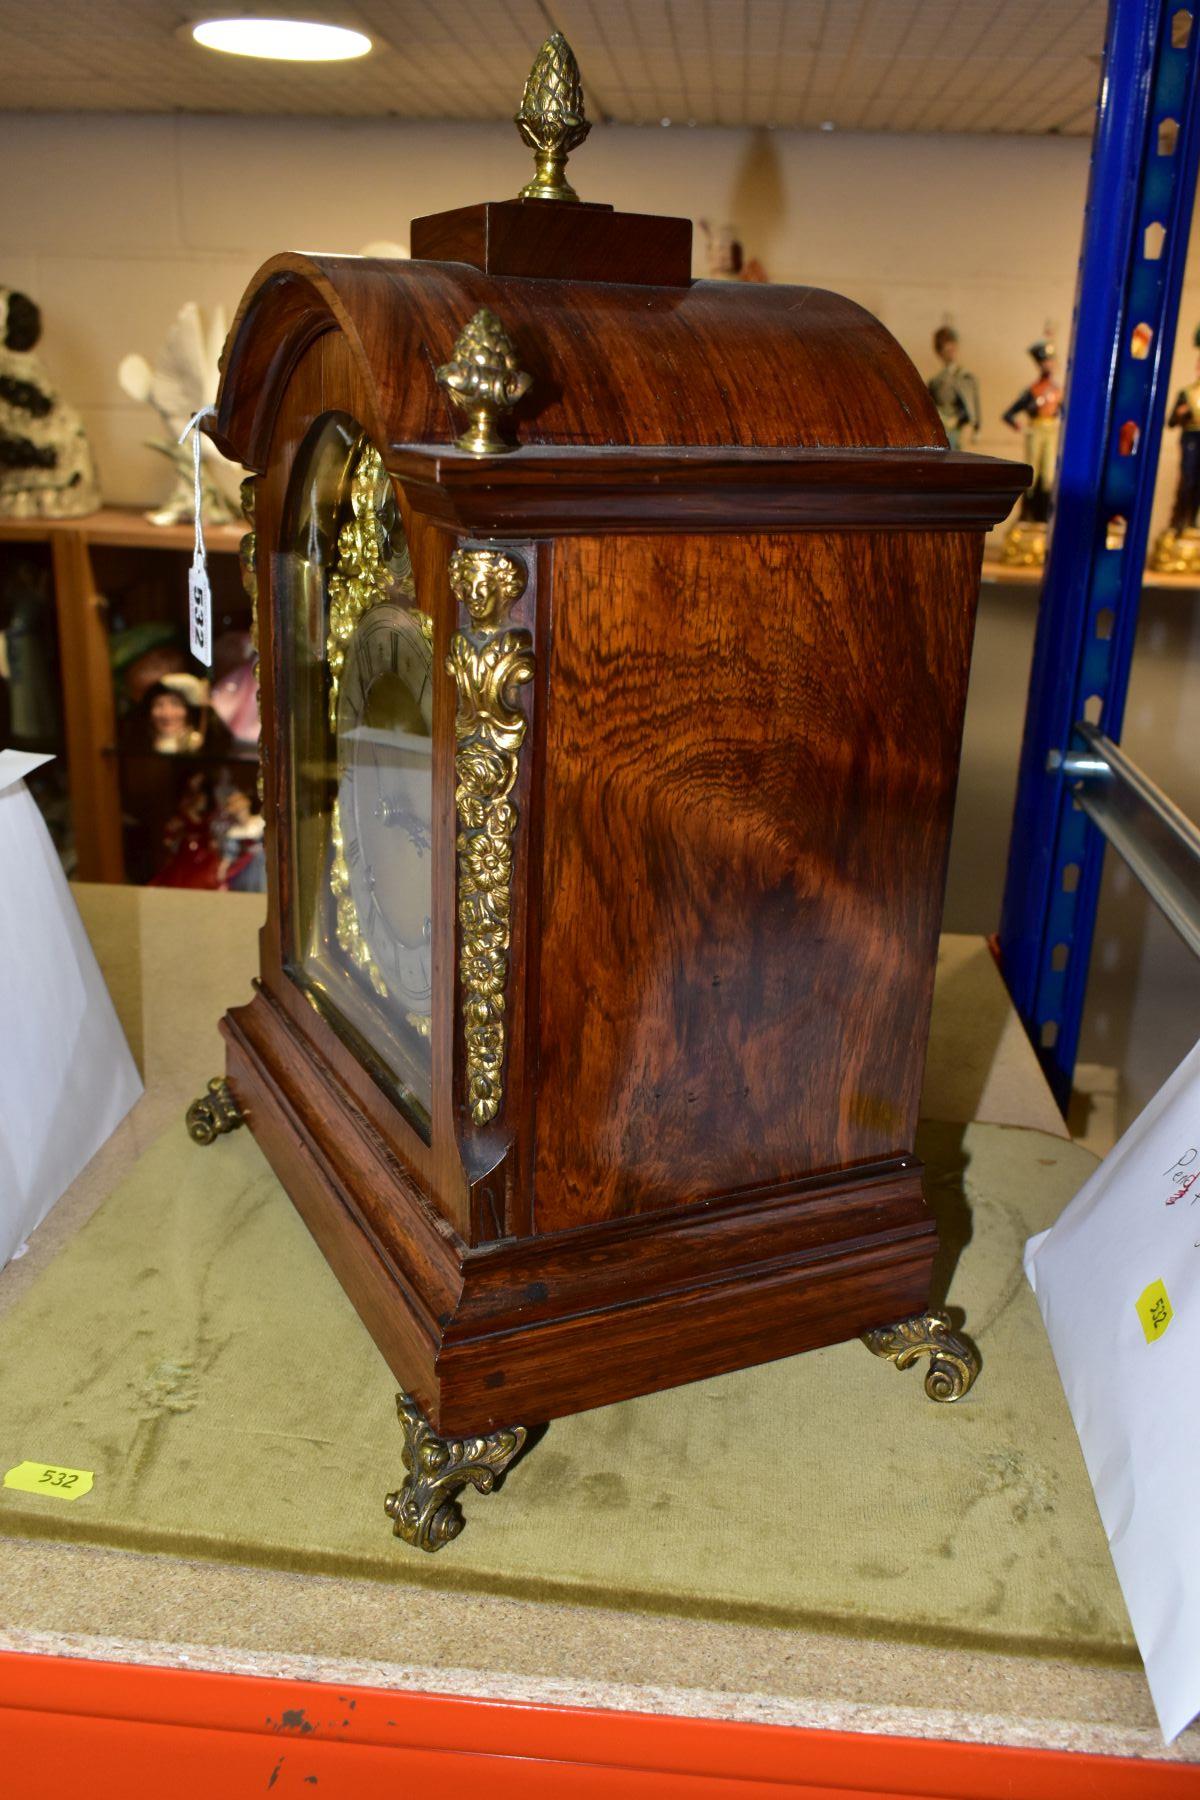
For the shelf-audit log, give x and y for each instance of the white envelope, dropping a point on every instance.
(67, 1078)
(1118, 1283)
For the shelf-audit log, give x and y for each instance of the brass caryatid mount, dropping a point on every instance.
(551, 119)
(487, 582)
(485, 379)
(488, 667)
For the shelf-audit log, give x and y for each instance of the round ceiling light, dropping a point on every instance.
(282, 40)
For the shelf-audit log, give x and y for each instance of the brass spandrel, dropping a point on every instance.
(363, 577)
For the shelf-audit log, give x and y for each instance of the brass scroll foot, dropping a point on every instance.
(214, 1112)
(425, 1506)
(953, 1362)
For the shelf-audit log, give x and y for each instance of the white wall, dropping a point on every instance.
(111, 222)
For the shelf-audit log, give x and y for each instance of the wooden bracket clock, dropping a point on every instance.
(614, 635)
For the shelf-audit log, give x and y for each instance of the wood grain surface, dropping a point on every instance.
(552, 490)
(532, 1328)
(749, 781)
(563, 240)
(715, 363)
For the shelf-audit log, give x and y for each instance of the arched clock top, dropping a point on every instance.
(708, 365)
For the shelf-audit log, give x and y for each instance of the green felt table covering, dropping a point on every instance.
(191, 1347)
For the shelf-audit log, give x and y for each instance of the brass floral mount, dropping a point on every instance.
(424, 1509)
(488, 668)
(551, 119)
(346, 925)
(484, 378)
(361, 577)
(249, 572)
(215, 1112)
(364, 575)
(953, 1362)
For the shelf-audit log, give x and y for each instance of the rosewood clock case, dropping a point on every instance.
(747, 566)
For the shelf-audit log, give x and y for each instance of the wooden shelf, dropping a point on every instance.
(191, 759)
(121, 528)
(85, 665)
(1014, 575)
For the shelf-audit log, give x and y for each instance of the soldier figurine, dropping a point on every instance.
(1041, 406)
(955, 393)
(1177, 551)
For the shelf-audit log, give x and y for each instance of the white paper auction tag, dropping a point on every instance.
(199, 613)
(1118, 1283)
(199, 591)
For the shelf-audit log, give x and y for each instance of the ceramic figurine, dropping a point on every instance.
(1040, 405)
(189, 857)
(141, 655)
(239, 830)
(726, 257)
(235, 686)
(177, 707)
(1177, 551)
(184, 379)
(955, 393)
(46, 467)
(213, 839)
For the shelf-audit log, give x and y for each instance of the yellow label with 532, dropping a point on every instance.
(1154, 1309)
(49, 1478)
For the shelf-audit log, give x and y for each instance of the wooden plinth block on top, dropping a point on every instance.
(553, 239)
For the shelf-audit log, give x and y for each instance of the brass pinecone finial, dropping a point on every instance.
(551, 119)
(485, 379)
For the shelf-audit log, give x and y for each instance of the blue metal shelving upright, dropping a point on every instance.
(1142, 186)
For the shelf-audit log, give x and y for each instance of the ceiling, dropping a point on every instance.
(1028, 66)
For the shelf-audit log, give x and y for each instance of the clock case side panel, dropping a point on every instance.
(751, 766)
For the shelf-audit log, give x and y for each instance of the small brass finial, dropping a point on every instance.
(551, 119)
(483, 377)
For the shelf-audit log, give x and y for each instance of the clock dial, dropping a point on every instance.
(360, 716)
(384, 722)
